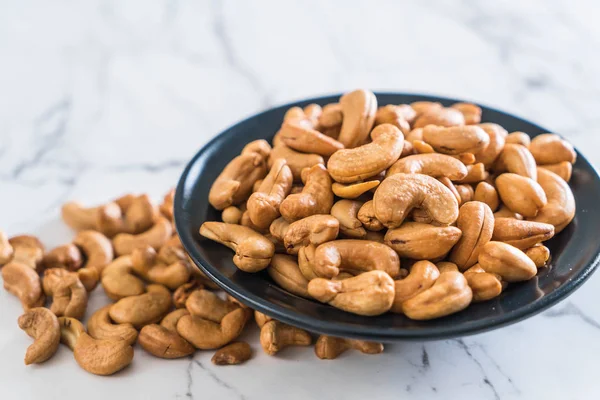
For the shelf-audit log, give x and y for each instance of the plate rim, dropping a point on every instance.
(378, 333)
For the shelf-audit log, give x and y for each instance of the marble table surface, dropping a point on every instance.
(101, 98)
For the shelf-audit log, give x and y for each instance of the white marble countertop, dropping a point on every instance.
(101, 98)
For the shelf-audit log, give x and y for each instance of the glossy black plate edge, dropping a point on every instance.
(324, 327)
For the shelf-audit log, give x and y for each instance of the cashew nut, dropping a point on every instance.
(316, 197)
(400, 193)
(471, 112)
(486, 193)
(370, 293)
(449, 294)
(316, 229)
(353, 190)
(395, 115)
(142, 309)
(23, 281)
(329, 347)
(27, 250)
(476, 221)
(306, 261)
(67, 256)
(119, 281)
(506, 261)
(275, 336)
(475, 173)
(42, 325)
(564, 169)
(100, 326)
(232, 354)
(422, 241)
(560, 209)
(156, 237)
(421, 277)
(96, 247)
(521, 234)
(261, 318)
(285, 272)
(6, 250)
(163, 341)
(231, 215)
(166, 207)
(490, 153)
(432, 164)
(358, 109)
(181, 294)
(455, 139)
(205, 335)
(366, 215)
(263, 205)
(551, 149)
(421, 107)
(69, 296)
(355, 164)
(444, 117)
(539, 254)
(485, 286)
(519, 138)
(465, 192)
(97, 356)
(521, 194)
(253, 251)
(104, 218)
(516, 159)
(295, 160)
(346, 212)
(171, 270)
(279, 228)
(505, 212)
(332, 116)
(205, 304)
(307, 140)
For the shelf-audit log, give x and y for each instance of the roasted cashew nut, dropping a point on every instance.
(400, 193)
(456, 139)
(432, 164)
(69, 296)
(100, 326)
(316, 196)
(517, 159)
(485, 286)
(354, 256)
(96, 247)
(119, 281)
(166, 207)
(263, 205)
(181, 294)
(27, 250)
(205, 335)
(285, 272)
(519, 138)
(143, 309)
(42, 325)
(443, 117)
(275, 336)
(358, 109)
(490, 153)
(67, 256)
(23, 282)
(476, 221)
(253, 251)
(521, 234)
(421, 277)
(261, 318)
(329, 347)
(155, 237)
(521, 194)
(97, 356)
(550, 148)
(422, 241)
(564, 169)
(232, 354)
(560, 209)
(307, 140)
(353, 190)
(355, 164)
(316, 230)
(6, 250)
(163, 341)
(506, 261)
(346, 212)
(539, 254)
(370, 293)
(171, 271)
(206, 304)
(366, 215)
(295, 160)
(487, 194)
(471, 112)
(104, 218)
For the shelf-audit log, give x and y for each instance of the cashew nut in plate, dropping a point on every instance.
(521, 234)
(519, 138)
(97, 356)
(295, 160)
(205, 334)
(358, 110)
(486, 193)
(279, 228)
(306, 259)
(27, 250)
(465, 158)
(232, 354)
(443, 116)
(421, 277)
(155, 237)
(521, 194)
(67, 256)
(432, 164)
(422, 241)
(100, 326)
(353, 190)
(490, 153)
(96, 247)
(395, 115)
(163, 341)
(346, 212)
(307, 140)
(355, 256)
(23, 282)
(42, 325)
(285, 272)
(510, 263)
(420, 147)
(560, 209)
(119, 281)
(275, 336)
(205, 304)
(253, 251)
(316, 197)
(485, 285)
(465, 192)
(516, 159)
(69, 296)
(366, 215)
(261, 318)
(329, 347)
(539, 254)
(564, 169)
(550, 148)
(142, 309)
(455, 139)
(471, 112)
(421, 107)
(475, 173)
(331, 116)
(316, 229)
(263, 205)
(449, 294)
(505, 212)
(355, 164)
(476, 221)
(6, 250)
(370, 293)
(397, 195)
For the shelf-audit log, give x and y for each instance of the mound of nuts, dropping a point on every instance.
(417, 209)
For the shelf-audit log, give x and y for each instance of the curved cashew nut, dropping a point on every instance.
(432, 164)
(353, 190)
(316, 229)
(443, 116)
(142, 309)
(42, 325)
(104, 218)
(119, 281)
(163, 341)
(400, 193)
(456, 139)
(346, 212)
(485, 286)
(275, 335)
(521, 234)
(263, 205)
(421, 107)
(306, 261)
(67, 256)
(231, 215)
(471, 112)
(422, 241)
(205, 304)
(476, 221)
(23, 282)
(96, 247)
(395, 115)
(27, 250)
(171, 270)
(521, 194)
(370, 293)
(329, 347)
(448, 183)
(560, 209)
(366, 215)
(550, 148)
(358, 108)
(486, 193)
(316, 196)
(490, 153)
(295, 160)
(465, 192)
(354, 164)
(475, 173)
(505, 212)
(6, 250)
(563, 169)
(517, 159)
(519, 138)
(279, 228)
(205, 335)
(506, 261)
(449, 294)
(97, 356)
(181, 294)
(100, 326)
(232, 354)
(284, 270)
(421, 277)
(355, 256)
(307, 140)
(89, 277)
(69, 296)
(253, 251)
(539, 254)
(156, 237)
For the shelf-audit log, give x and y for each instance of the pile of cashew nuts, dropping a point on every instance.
(416, 209)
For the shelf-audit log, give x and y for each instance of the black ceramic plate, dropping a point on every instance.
(575, 251)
